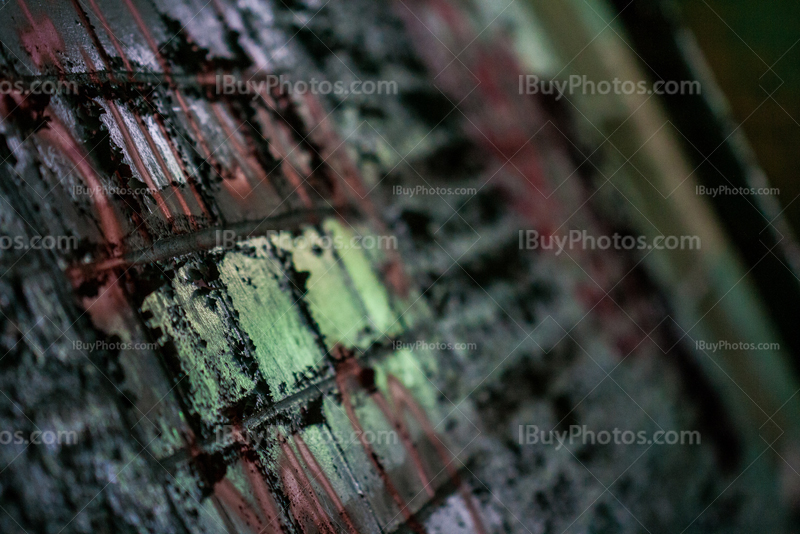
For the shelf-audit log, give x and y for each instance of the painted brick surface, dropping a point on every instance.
(255, 371)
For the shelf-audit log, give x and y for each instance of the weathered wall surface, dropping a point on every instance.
(225, 370)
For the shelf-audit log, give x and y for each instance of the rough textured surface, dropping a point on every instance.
(299, 345)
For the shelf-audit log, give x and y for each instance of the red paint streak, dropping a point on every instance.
(78, 274)
(278, 137)
(98, 46)
(234, 501)
(163, 166)
(201, 140)
(41, 40)
(243, 152)
(497, 117)
(115, 43)
(56, 134)
(261, 492)
(108, 308)
(230, 527)
(131, 145)
(267, 514)
(239, 183)
(208, 80)
(189, 180)
(405, 436)
(332, 151)
(142, 126)
(230, 496)
(136, 220)
(46, 33)
(319, 475)
(347, 370)
(396, 277)
(207, 153)
(405, 402)
(303, 498)
(504, 123)
(86, 59)
(133, 151)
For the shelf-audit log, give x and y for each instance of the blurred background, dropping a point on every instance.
(751, 51)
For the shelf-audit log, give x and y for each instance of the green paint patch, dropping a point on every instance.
(362, 272)
(285, 348)
(413, 370)
(247, 326)
(191, 319)
(334, 305)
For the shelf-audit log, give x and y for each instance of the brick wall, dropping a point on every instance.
(234, 355)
